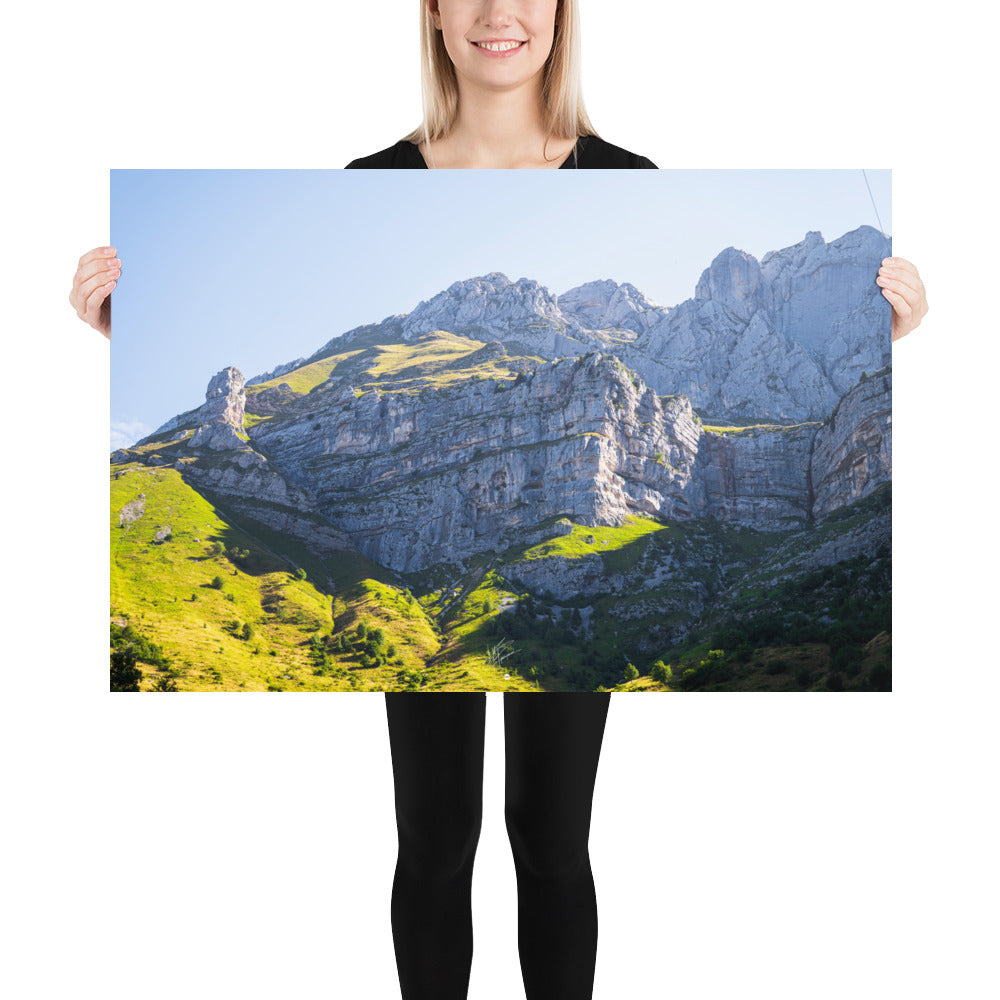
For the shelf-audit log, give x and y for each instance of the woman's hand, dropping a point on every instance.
(902, 286)
(96, 275)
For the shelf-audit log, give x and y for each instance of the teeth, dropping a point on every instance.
(498, 46)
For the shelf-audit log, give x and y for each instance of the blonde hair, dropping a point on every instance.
(562, 93)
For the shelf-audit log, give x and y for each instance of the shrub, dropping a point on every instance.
(125, 637)
(217, 582)
(125, 675)
(661, 672)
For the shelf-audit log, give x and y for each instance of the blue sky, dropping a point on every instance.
(254, 268)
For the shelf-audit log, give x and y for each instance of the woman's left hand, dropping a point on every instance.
(902, 286)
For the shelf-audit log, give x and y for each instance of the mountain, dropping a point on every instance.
(630, 462)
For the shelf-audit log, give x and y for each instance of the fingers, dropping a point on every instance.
(902, 266)
(903, 271)
(96, 275)
(94, 301)
(96, 254)
(902, 287)
(98, 280)
(96, 268)
(901, 317)
(93, 272)
(899, 304)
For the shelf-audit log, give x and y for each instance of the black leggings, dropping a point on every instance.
(553, 742)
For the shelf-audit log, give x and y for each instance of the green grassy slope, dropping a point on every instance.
(296, 604)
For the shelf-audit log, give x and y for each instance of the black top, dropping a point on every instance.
(590, 152)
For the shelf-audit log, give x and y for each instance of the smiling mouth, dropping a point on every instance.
(504, 46)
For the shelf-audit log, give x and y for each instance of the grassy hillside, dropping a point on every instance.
(377, 363)
(195, 591)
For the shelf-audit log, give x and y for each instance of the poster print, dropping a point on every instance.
(501, 431)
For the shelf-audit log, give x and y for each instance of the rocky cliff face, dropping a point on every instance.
(419, 479)
(810, 318)
(758, 477)
(852, 455)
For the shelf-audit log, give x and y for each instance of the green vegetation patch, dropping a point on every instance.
(305, 379)
(611, 543)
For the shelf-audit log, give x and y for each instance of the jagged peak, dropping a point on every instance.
(224, 383)
(732, 278)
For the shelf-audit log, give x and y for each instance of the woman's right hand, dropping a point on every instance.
(96, 275)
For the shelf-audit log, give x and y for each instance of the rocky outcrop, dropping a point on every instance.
(218, 436)
(224, 407)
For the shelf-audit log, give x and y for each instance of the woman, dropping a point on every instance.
(501, 89)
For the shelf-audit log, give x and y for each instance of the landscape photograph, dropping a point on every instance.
(501, 431)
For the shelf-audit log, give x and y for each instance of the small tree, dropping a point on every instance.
(217, 582)
(631, 671)
(660, 672)
(247, 631)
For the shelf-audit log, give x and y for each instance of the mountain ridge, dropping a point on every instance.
(496, 417)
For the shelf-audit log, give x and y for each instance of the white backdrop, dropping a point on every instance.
(224, 846)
